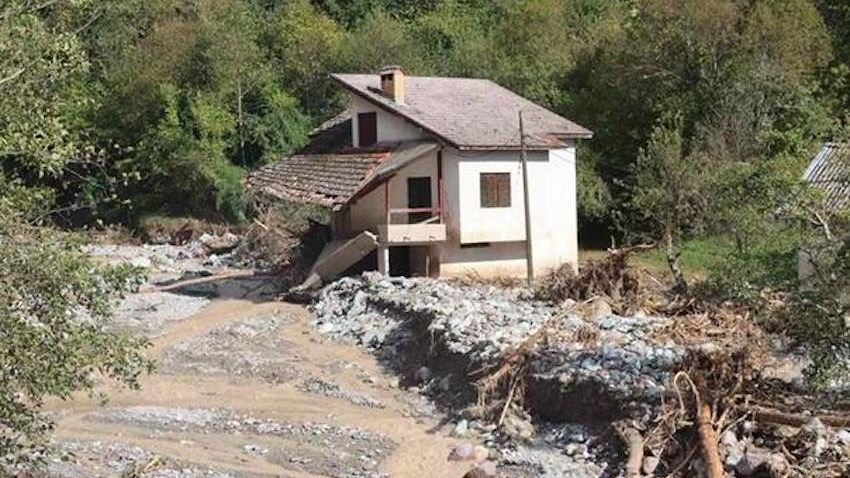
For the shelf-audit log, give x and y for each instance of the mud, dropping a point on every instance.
(245, 388)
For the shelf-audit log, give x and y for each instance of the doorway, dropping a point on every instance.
(419, 196)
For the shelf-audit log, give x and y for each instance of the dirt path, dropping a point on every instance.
(247, 389)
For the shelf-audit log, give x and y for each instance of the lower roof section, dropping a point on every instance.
(334, 179)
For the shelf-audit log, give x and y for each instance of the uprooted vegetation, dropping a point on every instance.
(288, 237)
(608, 278)
(690, 388)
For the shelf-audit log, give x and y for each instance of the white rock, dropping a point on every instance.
(461, 429)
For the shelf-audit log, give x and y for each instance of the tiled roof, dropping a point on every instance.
(830, 171)
(469, 113)
(325, 179)
(334, 179)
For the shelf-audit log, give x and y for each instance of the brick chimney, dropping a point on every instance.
(392, 83)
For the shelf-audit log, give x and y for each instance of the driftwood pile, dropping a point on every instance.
(723, 417)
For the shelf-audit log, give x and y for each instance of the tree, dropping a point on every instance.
(667, 191)
(308, 46)
(54, 302)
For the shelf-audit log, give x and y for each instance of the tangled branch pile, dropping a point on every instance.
(610, 278)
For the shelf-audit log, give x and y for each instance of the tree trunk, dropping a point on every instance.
(681, 285)
(708, 442)
(633, 441)
(240, 119)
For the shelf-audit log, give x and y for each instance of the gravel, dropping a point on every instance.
(369, 309)
(149, 313)
(622, 359)
(322, 387)
(250, 348)
(88, 459)
(317, 448)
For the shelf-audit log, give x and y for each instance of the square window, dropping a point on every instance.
(495, 190)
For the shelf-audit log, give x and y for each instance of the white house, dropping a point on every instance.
(427, 171)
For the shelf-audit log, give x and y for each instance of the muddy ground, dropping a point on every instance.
(246, 388)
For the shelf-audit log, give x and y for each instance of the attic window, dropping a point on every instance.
(495, 190)
(367, 129)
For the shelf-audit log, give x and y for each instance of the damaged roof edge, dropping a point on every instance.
(406, 153)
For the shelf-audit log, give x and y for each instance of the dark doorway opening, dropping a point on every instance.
(400, 261)
(419, 196)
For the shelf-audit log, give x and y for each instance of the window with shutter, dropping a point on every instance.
(367, 129)
(495, 190)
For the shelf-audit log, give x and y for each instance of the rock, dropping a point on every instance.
(461, 429)
(481, 453)
(650, 463)
(729, 439)
(777, 465)
(486, 469)
(462, 452)
(815, 426)
(518, 428)
(843, 437)
(817, 432)
(219, 245)
(700, 468)
(573, 449)
(255, 449)
(750, 463)
(141, 262)
(423, 374)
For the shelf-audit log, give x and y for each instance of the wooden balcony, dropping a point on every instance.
(406, 227)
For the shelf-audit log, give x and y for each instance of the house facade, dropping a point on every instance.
(438, 180)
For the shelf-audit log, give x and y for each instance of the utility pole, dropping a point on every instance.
(523, 156)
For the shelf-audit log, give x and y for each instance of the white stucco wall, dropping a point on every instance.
(390, 127)
(554, 226)
(369, 211)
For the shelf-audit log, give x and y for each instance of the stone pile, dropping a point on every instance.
(310, 448)
(482, 323)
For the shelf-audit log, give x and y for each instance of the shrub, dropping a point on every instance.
(54, 303)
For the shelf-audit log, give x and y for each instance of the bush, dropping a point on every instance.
(54, 303)
(818, 313)
(768, 264)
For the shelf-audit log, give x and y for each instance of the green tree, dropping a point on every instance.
(308, 46)
(54, 302)
(667, 191)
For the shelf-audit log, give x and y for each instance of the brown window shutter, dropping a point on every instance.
(367, 129)
(495, 190)
(504, 189)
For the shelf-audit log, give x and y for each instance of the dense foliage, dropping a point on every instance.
(182, 98)
(54, 302)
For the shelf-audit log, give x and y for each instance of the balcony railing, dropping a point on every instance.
(425, 231)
